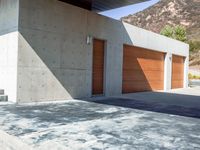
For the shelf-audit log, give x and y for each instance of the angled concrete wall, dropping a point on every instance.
(53, 56)
(54, 60)
(9, 47)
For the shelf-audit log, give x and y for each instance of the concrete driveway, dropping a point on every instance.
(142, 121)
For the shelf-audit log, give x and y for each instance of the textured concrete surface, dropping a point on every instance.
(106, 123)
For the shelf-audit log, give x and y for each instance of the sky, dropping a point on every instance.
(127, 10)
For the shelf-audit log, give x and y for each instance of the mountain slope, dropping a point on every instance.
(171, 12)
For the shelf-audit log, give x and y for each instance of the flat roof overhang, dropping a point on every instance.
(102, 5)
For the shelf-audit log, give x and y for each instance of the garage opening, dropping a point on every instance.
(177, 71)
(98, 67)
(143, 70)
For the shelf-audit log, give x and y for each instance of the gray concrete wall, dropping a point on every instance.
(9, 47)
(55, 62)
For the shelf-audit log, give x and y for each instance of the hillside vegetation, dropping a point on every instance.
(184, 13)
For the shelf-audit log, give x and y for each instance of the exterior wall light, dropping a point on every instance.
(170, 58)
(89, 40)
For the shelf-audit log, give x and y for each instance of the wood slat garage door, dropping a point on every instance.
(143, 70)
(98, 67)
(177, 71)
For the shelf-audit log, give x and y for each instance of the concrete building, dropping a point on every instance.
(52, 50)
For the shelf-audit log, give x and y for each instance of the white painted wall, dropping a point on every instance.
(168, 71)
(9, 47)
(186, 72)
(54, 60)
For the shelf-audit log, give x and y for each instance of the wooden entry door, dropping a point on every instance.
(143, 70)
(177, 71)
(98, 67)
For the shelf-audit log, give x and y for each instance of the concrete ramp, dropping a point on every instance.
(9, 142)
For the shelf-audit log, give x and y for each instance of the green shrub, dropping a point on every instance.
(180, 33)
(176, 32)
(190, 76)
(167, 31)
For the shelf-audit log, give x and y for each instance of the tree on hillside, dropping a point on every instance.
(167, 31)
(194, 46)
(176, 32)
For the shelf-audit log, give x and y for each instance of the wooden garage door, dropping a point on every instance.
(98, 67)
(177, 71)
(143, 70)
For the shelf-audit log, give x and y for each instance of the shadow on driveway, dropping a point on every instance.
(168, 103)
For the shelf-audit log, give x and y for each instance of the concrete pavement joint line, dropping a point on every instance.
(47, 103)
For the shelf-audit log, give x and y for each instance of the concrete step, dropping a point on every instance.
(1, 92)
(3, 98)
